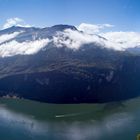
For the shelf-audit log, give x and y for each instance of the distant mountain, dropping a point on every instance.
(59, 65)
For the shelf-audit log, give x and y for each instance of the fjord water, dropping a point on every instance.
(29, 120)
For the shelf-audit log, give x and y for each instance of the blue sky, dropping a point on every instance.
(124, 14)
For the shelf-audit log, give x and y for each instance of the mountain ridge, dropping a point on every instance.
(57, 73)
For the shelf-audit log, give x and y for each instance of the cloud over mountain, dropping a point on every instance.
(75, 39)
(93, 28)
(7, 37)
(15, 22)
(123, 40)
(113, 40)
(15, 48)
(31, 40)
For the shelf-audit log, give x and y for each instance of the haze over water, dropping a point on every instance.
(20, 120)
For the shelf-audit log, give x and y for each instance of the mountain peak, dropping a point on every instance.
(63, 27)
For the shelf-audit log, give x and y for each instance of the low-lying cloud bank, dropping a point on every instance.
(25, 48)
(72, 39)
(7, 37)
(113, 40)
(75, 39)
(123, 40)
(91, 33)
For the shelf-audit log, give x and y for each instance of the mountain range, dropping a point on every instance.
(61, 64)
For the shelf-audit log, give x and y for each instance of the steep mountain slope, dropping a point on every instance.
(50, 71)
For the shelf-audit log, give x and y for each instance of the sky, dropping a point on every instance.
(123, 14)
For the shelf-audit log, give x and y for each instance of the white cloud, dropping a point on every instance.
(75, 39)
(122, 40)
(29, 47)
(7, 37)
(92, 28)
(15, 22)
(113, 40)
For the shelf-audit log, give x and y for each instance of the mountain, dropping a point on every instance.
(60, 64)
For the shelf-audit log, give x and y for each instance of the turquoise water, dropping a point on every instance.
(29, 120)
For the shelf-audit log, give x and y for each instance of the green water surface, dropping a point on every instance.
(30, 120)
